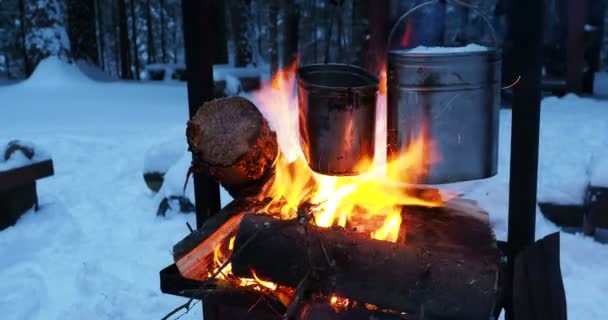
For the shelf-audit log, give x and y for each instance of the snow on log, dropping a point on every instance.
(440, 276)
(233, 143)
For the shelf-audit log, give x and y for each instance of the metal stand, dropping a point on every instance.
(198, 36)
(525, 34)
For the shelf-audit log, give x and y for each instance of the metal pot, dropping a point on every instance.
(337, 112)
(453, 99)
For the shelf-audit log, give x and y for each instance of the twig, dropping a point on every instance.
(189, 227)
(298, 297)
(176, 310)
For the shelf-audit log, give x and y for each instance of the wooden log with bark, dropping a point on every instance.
(448, 269)
(233, 143)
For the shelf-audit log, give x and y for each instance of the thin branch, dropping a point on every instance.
(176, 310)
(299, 296)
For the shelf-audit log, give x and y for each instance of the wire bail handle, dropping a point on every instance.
(458, 2)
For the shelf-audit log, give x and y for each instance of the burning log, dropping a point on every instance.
(233, 143)
(455, 277)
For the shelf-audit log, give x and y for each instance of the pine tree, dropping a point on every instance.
(45, 31)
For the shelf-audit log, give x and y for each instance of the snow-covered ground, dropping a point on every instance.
(95, 248)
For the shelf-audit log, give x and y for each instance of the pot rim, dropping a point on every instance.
(337, 68)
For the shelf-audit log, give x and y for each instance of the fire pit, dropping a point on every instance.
(298, 245)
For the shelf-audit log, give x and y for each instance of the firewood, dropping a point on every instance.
(193, 254)
(233, 143)
(456, 276)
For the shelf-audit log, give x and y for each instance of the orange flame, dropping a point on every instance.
(267, 284)
(371, 201)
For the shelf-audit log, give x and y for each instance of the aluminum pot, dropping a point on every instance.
(337, 112)
(453, 98)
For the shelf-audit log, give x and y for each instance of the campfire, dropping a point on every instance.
(303, 245)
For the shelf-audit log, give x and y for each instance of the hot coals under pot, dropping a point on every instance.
(453, 98)
(337, 111)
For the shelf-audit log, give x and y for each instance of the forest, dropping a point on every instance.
(121, 37)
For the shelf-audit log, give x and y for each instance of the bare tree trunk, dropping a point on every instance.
(289, 29)
(239, 15)
(220, 42)
(125, 65)
(163, 45)
(116, 32)
(135, 45)
(359, 27)
(150, 31)
(100, 35)
(379, 29)
(273, 13)
(27, 67)
(82, 30)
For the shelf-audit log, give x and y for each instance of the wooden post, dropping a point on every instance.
(525, 30)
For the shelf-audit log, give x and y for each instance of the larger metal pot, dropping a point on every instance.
(453, 99)
(337, 112)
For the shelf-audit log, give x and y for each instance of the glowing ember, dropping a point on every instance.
(267, 284)
(338, 303)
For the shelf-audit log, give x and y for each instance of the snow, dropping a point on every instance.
(444, 50)
(573, 132)
(599, 170)
(94, 72)
(53, 72)
(233, 85)
(161, 157)
(18, 159)
(222, 71)
(95, 247)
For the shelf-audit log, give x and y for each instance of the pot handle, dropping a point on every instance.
(458, 2)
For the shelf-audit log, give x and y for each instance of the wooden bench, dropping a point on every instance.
(18, 190)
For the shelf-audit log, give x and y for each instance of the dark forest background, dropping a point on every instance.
(121, 37)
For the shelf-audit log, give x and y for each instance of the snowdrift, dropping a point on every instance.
(54, 72)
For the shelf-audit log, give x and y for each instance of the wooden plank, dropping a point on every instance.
(23, 175)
